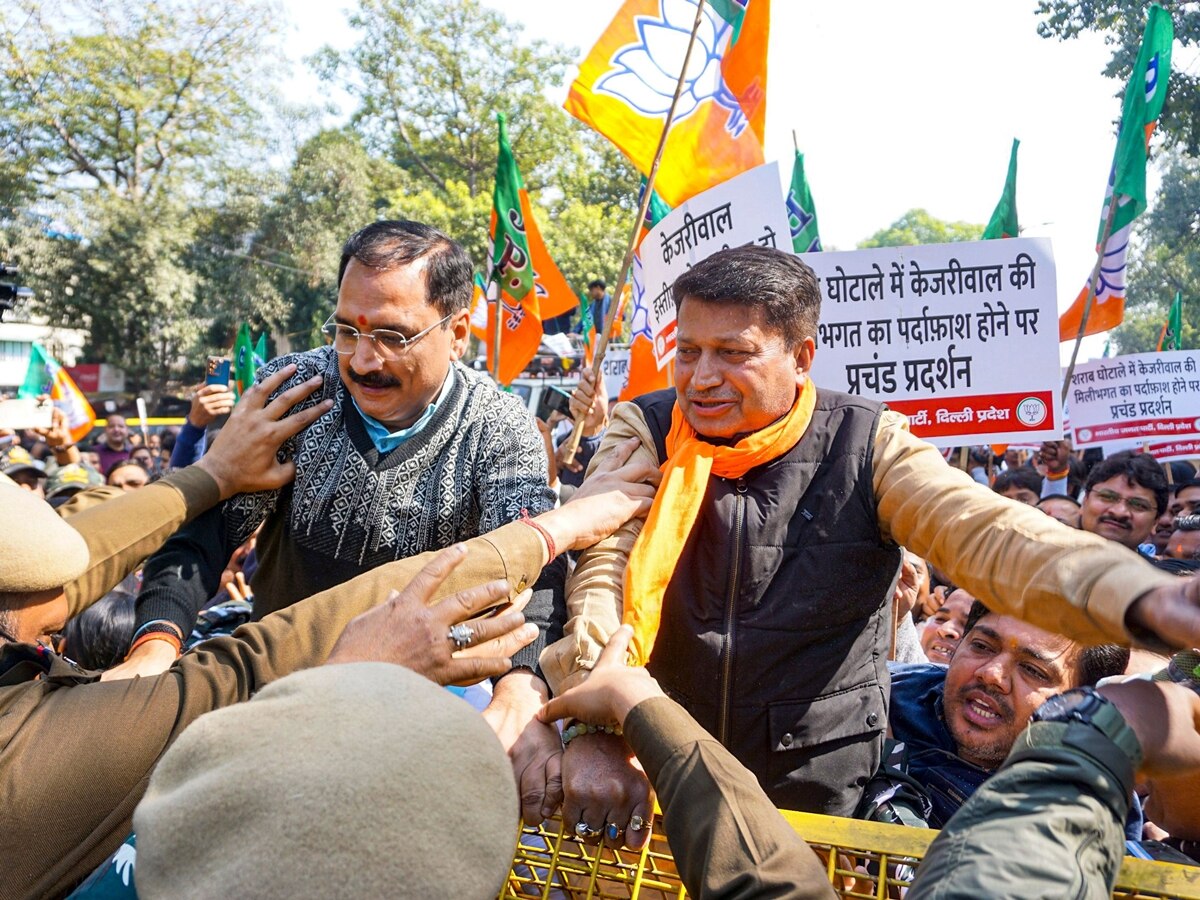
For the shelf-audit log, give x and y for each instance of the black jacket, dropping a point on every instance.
(774, 631)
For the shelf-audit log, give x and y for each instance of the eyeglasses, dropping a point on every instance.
(389, 345)
(1112, 498)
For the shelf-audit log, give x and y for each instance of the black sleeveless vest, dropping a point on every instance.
(775, 625)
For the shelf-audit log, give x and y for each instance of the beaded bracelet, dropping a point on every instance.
(573, 731)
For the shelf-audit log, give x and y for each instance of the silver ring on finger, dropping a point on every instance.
(636, 823)
(584, 830)
(461, 636)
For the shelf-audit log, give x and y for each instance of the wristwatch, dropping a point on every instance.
(1085, 711)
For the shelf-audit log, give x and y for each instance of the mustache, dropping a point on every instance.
(374, 379)
(1002, 705)
(1120, 523)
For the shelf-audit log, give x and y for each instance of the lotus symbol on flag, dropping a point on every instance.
(644, 74)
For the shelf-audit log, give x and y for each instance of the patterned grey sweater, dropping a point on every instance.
(474, 467)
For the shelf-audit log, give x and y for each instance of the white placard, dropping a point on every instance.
(1151, 396)
(962, 338)
(748, 209)
(615, 369)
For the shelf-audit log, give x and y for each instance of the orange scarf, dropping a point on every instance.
(690, 461)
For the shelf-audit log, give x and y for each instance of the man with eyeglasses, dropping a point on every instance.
(417, 453)
(1123, 498)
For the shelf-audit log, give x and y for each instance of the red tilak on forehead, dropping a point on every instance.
(362, 320)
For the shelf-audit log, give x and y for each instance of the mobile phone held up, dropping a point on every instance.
(217, 370)
(16, 415)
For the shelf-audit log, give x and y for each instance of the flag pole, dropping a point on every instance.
(499, 320)
(795, 143)
(627, 262)
(1091, 294)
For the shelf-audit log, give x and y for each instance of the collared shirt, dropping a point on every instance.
(386, 441)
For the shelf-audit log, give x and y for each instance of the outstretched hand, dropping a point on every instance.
(614, 492)
(602, 785)
(407, 631)
(243, 456)
(1171, 613)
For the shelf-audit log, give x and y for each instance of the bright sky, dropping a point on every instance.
(896, 106)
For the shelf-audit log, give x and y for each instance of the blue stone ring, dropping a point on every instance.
(613, 832)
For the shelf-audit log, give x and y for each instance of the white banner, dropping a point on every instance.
(1151, 396)
(962, 338)
(748, 209)
(1170, 451)
(615, 369)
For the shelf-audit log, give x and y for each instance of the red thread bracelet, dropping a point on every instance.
(157, 636)
(532, 523)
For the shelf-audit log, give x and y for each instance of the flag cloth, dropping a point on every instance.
(479, 310)
(626, 83)
(587, 326)
(1003, 223)
(644, 374)
(1144, 96)
(512, 271)
(802, 212)
(46, 376)
(247, 359)
(1171, 337)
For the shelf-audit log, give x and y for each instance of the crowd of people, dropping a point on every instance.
(342, 643)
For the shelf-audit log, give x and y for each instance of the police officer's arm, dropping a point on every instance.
(595, 590)
(1013, 557)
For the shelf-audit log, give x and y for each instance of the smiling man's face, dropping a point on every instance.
(1120, 510)
(734, 374)
(1001, 672)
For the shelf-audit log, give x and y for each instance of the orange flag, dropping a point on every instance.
(626, 83)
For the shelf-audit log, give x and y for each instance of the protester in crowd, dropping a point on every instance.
(1022, 484)
(69, 480)
(1124, 496)
(209, 402)
(1164, 525)
(70, 808)
(756, 593)
(22, 468)
(1059, 469)
(1188, 496)
(1061, 507)
(99, 637)
(1048, 823)
(114, 444)
(144, 457)
(417, 453)
(1184, 542)
(154, 442)
(168, 446)
(946, 627)
(128, 475)
(951, 727)
(597, 295)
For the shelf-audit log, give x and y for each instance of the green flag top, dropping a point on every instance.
(511, 265)
(1003, 223)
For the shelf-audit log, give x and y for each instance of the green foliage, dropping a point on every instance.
(1165, 259)
(1121, 22)
(918, 227)
(132, 95)
(119, 117)
(430, 79)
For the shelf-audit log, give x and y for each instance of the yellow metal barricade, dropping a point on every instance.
(863, 860)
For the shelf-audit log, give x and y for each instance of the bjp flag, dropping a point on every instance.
(46, 377)
(1143, 103)
(626, 83)
(530, 286)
